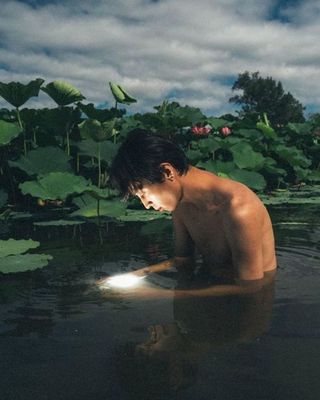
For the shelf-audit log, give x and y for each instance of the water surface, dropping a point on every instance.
(61, 337)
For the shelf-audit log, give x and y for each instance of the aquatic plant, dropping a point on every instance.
(17, 94)
(120, 95)
(43, 160)
(13, 260)
(262, 156)
(62, 93)
(98, 132)
(55, 186)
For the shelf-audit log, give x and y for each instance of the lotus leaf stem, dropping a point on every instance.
(99, 164)
(24, 133)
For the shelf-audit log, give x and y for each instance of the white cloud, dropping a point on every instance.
(155, 49)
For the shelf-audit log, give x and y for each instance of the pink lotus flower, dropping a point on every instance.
(201, 130)
(225, 131)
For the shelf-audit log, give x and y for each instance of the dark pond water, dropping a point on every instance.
(61, 337)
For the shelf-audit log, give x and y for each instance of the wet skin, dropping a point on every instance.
(223, 219)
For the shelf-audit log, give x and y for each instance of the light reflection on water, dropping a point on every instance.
(62, 338)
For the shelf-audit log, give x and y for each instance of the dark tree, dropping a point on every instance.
(266, 95)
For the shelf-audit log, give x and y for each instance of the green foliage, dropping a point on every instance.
(63, 93)
(43, 160)
(262, 154)
(292, 155)
(12, 258)
(55, 185)
(218, 123)
(59, 222)
(261, 95)
(295, 195)
(120, 95)
(97, 131)
(23, 262)
(3, 198)
(250, 178)
(8, 132)
(55, 121)
(99, 114)
(17, 94)
(267, 130)
(90, 148)
(90, 207)
(245, 157)
(142, 215)
(11, 246)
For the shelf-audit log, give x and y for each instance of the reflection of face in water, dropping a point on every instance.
(170, 357)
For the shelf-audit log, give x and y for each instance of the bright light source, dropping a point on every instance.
(124, 280)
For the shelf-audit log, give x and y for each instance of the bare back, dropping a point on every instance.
(209, 226)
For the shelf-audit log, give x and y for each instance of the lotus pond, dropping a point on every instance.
(62, 337)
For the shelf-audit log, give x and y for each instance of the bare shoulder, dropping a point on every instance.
(242, 205)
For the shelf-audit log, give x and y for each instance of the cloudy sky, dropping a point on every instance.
(190, 51)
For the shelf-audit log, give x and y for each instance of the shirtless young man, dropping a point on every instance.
(223, 219)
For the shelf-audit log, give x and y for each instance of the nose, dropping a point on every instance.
(147, 204)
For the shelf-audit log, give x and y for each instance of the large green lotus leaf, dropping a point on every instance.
(20, 215)
(209, 145)
(88, 207)
(95, 130)
(229, 141)
(55, 186)
(304, 195)
(12, 246)
(314, 176)
(245, 157)
(267, 130)
(63, 93)
(128, 124)
(59, 222)
(89, 148)
(270, 166)
(186, 116)
(17, 94)
(250, 133)
(294, 156)
(8, 131)
(300, 128)
(30, 118)
(23, 262)
(101, 193)
(250, 178)
(56, 120)
(218, 123)
(209, 165)
(3, 198)
(43, 160)
(101, 115)
(301, 173)
(194, 156)
(120, 95)
(92, 129)
(142, 215)
(217, 166)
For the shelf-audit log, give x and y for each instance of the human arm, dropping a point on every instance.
(183, 252)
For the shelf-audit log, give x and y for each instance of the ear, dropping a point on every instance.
(168, 171)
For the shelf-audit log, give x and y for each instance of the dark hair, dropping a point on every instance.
(138, 161)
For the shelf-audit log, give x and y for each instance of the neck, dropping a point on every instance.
(198, 187)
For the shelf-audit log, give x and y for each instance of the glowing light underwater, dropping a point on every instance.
(124, 280)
